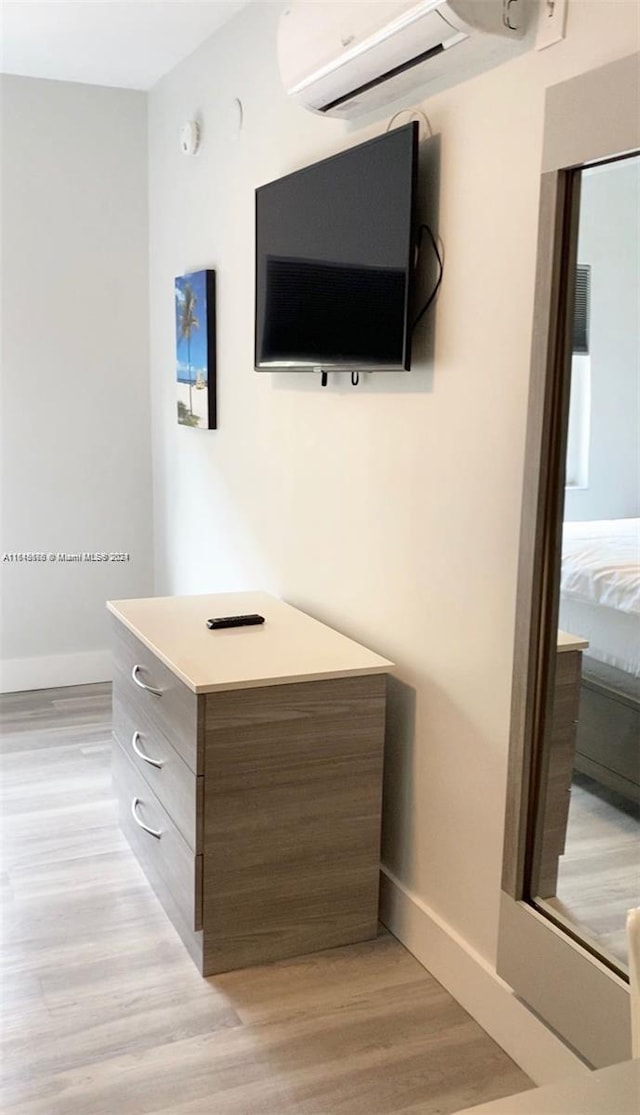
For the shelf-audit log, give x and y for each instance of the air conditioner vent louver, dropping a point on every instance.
(346, 58)
(402, 68)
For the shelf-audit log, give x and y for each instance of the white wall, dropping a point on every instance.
(75, 433)
(608, 241)
(391, 511)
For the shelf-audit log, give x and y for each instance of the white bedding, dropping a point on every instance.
(600, 589)
(613, 637)
(601, 563)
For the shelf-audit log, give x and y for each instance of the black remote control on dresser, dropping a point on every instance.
(234, 621)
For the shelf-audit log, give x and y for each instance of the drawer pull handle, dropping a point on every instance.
(141, 755)
(152, 832)
(142, 685)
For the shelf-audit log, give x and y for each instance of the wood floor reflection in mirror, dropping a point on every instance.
(599, 873)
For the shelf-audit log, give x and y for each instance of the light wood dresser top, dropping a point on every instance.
(568, 642)
(289, 647)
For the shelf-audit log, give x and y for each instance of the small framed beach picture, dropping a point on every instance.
(195, 300)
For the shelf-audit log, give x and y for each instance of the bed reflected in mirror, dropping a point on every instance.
(588, 852)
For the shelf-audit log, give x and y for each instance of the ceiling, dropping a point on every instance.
(127, 43)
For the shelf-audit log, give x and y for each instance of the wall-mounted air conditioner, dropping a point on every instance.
(343, 59)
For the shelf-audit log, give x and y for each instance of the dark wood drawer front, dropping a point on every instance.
(560, 761)
(615, 751)
(173, 782)
(174, 712)
(169, 863)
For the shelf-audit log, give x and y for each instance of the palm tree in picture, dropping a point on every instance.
(188, 322)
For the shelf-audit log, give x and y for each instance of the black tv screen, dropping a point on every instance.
(334, 254)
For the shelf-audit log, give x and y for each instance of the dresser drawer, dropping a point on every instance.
(169, 863)
(175, 785)
(156, 692)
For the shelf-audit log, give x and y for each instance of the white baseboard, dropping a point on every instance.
(475, 985)
(19, 674)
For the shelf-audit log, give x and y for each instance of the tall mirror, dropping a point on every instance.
(586, 865)
(571, 865)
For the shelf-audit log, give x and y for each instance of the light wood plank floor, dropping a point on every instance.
(599, 876)
(104, 1013)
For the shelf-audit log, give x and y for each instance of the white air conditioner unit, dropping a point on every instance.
(342, 59)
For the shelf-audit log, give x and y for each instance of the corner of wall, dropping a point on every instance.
(475, 985)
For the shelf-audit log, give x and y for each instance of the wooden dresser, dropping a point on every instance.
(561, 754)
(248, 767)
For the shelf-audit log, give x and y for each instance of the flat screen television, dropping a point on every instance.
(334, 260)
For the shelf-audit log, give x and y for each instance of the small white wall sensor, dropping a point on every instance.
(190, 137)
